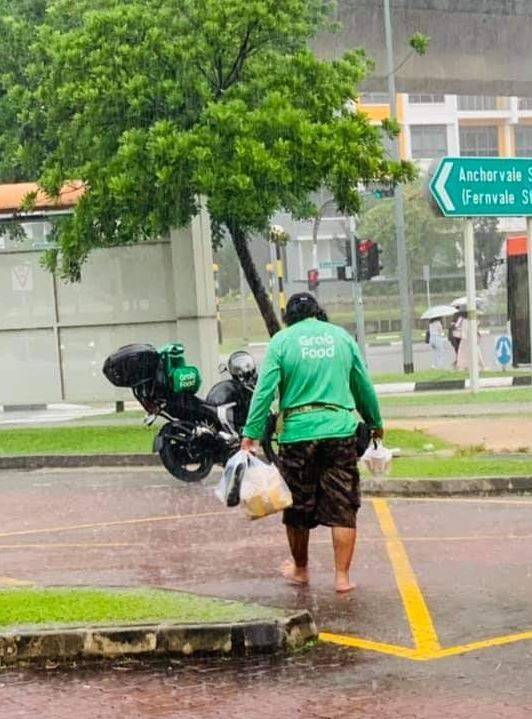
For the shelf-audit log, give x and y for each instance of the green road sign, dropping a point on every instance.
(329, 265)
(483, 186)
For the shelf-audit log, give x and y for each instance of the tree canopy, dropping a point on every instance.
(154, 104)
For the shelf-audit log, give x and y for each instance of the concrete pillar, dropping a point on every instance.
(195, 299)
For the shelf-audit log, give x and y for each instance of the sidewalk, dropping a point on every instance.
(455, 384)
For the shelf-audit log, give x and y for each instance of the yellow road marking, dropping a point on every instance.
(417, 612)
(11, 582)
(427, 647)
(114, 523)
(357, 643)
(71, 545)
(421, 656)
(484, 644)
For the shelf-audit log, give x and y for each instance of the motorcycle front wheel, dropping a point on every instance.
(178, 462)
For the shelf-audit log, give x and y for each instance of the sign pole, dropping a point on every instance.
(472, 328)
(529, 271)
(357, 292)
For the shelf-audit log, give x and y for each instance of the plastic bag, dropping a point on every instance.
(377, 459)
(263, 490)
(228, 489)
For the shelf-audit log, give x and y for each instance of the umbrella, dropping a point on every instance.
(462, 302)
(438, 311)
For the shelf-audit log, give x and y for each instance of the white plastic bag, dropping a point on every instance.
(377, 458)
(263, 491)
(228, 489)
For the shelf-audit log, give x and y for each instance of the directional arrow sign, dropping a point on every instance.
(503, 350)
(483, 186)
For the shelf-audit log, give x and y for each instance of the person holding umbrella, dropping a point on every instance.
(437, 342)
(435, 333)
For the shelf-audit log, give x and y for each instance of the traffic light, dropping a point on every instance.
(374, 260)
(363, 259)
(313, 277)
(368, 260)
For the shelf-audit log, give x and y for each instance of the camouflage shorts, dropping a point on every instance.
(324, 481)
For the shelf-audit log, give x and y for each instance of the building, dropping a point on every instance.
(432, 125)
(55, 335)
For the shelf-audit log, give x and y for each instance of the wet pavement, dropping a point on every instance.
(440, 624)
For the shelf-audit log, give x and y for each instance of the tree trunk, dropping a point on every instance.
(255, 283)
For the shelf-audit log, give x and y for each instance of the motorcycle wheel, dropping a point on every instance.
(174, 458)
(270, 444)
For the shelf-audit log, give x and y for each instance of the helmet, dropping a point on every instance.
(242, 368)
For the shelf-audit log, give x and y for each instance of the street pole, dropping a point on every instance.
(357, 292)
(529, 270)
(402, 262)
(472, 324)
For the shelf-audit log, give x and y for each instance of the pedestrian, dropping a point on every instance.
(462, 358)
(437, 342)
(454, 334)
(317, 368)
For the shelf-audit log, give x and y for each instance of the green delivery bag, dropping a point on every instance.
(179, 376)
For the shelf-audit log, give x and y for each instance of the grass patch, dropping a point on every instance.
(19, 607)
(116, 439)
(459, 398)
(77, 440)
(414, 441)
(459, 467)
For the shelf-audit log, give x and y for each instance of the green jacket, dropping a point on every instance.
(313, 362)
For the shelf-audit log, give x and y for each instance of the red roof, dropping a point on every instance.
(12, 197)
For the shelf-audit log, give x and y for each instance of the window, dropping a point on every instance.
(426, 99)
(477, 103)
(523, 141)
(525, 103)
(479, 142)
(428, 141)
(374, 98)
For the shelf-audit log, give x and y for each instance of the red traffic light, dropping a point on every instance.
(313, 277)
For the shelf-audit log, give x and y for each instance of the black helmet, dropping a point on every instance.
(241, 366)
(301, 306)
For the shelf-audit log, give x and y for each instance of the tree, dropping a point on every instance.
(430, 240)
(156, 103)
(488, 246)
(18, 19)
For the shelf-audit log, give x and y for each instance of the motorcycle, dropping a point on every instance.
(198, 433)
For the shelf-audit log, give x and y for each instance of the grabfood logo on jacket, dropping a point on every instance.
(317, 346)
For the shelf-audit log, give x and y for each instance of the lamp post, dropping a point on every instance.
(402, 262)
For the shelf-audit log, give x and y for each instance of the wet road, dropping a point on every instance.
(440, 624)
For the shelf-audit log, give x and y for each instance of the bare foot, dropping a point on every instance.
(294, 575)
(342, 583)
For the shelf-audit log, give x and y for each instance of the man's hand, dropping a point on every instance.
(249, 445)
(377, 433)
